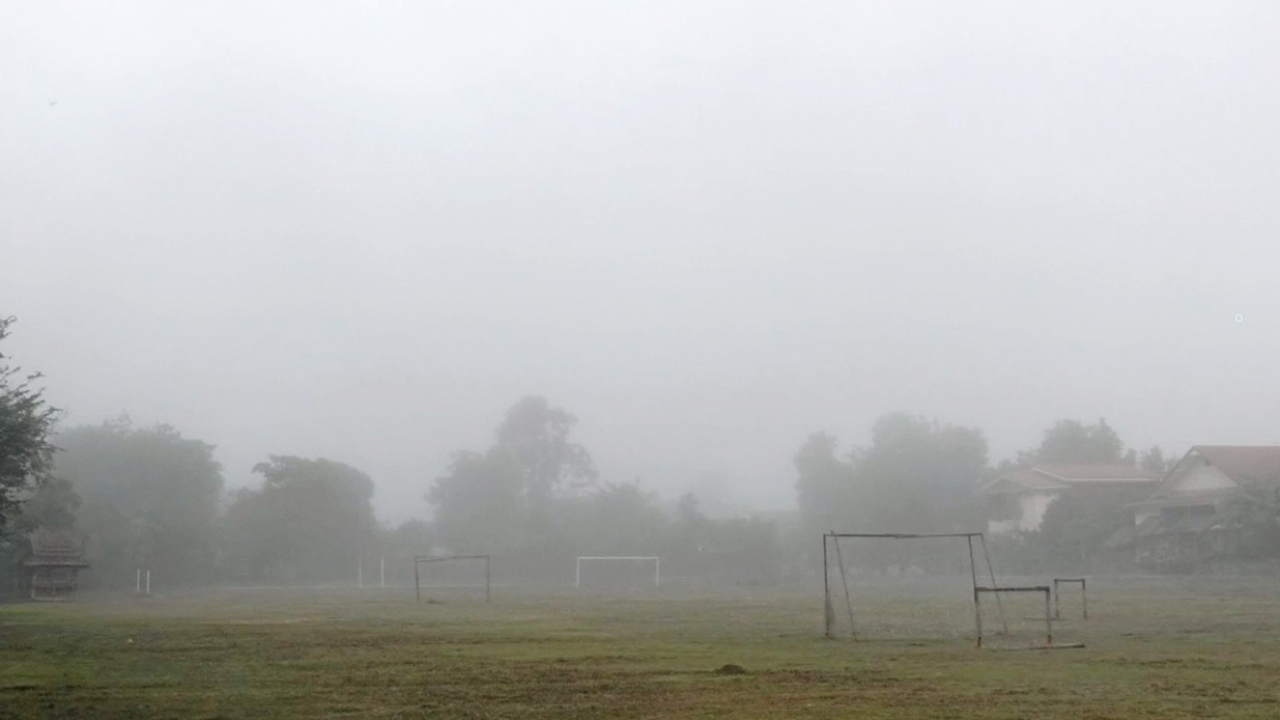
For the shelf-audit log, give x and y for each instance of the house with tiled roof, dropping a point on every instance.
(1218, 501)
(1018, 499)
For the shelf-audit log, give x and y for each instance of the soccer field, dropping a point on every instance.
(1154, 649)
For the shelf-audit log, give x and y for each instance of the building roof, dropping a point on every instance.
(1020, 480)
(1242, 463)
(1253, 468)
(1097, 472)
(55, 547)
(1050, 477)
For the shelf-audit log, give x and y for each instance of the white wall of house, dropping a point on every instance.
(1194, 476)
(1200, 477)
(1031, 510)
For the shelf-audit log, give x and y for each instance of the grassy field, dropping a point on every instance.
(1154, 649)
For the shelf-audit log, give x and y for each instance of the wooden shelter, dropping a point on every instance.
(55, 561)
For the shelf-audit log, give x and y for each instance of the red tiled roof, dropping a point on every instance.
(1119, 472)
(1024, 478)
(1242, 462)
(1059, 477)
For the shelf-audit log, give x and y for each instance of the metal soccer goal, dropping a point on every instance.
(1057, 599)
(832, 546)
(420, 560)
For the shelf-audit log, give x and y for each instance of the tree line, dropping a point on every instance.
(150, 497)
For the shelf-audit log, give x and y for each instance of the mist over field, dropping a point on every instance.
(706, 229)
(476, 358)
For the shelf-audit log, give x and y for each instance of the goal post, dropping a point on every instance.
(657, 565)
(1084, 595)
(973, 541)
(420, 560)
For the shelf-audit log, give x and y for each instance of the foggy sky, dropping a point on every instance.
(362, 231)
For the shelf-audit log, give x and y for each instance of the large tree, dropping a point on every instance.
(53, 503)
(1071, 441)
(1153, 460)
(480, 505)
(919, 475)
(150, 499)
(687, 543)
(824, 484)
(26, 422)
(535, 436)
(508, 496)
(311, 521)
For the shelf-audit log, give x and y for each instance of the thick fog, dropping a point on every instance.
(362, 231)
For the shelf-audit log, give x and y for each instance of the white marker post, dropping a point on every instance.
(148, 582)
(382, 572)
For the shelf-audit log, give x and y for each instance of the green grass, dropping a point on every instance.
(1154, 649)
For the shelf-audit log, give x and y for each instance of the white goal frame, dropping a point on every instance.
(657, 565)
(833, 538)
(419, 560)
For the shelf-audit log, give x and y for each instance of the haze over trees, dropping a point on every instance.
(150, 498)
(536, 496)
(917, 475)
(311, 521)
(1073, 442)
(361, 236)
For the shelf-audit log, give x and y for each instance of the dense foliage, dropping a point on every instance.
(534, 499)
(26, 422)
(1071, 441)
(150, 500)
(311, 521)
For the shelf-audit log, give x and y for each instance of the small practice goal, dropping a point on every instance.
(419, 561)
(628, 559)
(1057, 598)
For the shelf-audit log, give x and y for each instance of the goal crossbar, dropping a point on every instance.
(1084, 595)
(657, 566)
(420, 560)
(905, 536)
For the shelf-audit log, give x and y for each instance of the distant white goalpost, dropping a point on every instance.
(657, 565)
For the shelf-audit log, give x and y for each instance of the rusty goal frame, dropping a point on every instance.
(832, 539)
